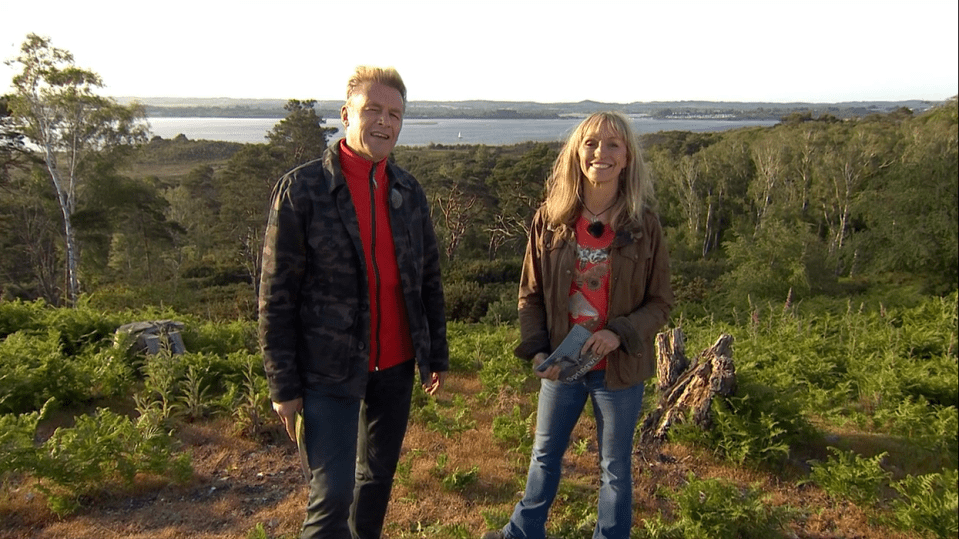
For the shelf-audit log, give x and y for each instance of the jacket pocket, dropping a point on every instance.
(328, 342)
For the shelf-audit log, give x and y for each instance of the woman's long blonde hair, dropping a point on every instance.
(564, 188)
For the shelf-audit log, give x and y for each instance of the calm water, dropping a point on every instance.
(417, 132)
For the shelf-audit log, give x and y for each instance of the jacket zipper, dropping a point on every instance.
(375, 332)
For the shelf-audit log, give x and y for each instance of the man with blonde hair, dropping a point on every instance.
(351, 305)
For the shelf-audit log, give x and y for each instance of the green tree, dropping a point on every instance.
(12, 149)
(29, 267)
(300, 136)
(195, 205)
(911, 211)
(778, 259)
(726, 171)
(55, 106)
(518, 185)
(854, 154)
(124, 228)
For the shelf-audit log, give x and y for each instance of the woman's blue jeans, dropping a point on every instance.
(560, 405)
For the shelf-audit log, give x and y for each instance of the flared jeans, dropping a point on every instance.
(560, 405)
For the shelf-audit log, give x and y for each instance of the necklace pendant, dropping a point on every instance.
(596, 229)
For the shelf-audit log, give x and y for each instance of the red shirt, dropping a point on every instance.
(589, 292)
(390, 340)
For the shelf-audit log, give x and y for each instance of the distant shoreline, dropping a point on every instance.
(423, 132)
(503, 110)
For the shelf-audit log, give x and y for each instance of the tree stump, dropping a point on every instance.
(670, 358)
(688, 395)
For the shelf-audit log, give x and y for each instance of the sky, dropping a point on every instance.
(815, 51)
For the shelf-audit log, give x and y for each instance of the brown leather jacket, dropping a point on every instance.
(640, 296)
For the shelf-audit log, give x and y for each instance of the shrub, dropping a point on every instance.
(222, 337)
(928, 503)
(20, 315)
(484, 272)
(718, 509)
(758, 425)
(33, 369)
(847, 475)
(468, 301)
(98, 450)
(446, 419)
(515, 431)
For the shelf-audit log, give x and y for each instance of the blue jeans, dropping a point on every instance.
(560, 406)
(353, 446)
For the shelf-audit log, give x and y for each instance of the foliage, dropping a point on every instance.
(300, 136)
(180, 149)
(483, 272)
(717, 509)
(456, 479)
(474, 347)
(34, 370)
(847, 475)
(886, 367)
(469, 301)
(249, 400)
(56, 107)
(757, 425)
(503, 310)
(99, 449)
(447, 419)
(928, 503)
(868, 362)
(515, 431)
(773, 263)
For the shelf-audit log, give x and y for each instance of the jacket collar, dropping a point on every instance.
(396, 176)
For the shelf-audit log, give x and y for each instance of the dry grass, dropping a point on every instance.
(239, 484)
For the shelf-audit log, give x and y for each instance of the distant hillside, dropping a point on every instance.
(273, 108)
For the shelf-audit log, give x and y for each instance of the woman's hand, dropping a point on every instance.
(552, 373)
(601, 343)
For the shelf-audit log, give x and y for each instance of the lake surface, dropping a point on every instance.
(421, 132)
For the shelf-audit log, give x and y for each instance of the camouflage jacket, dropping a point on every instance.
(314, 305)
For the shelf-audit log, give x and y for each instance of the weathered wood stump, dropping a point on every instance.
(687, 394)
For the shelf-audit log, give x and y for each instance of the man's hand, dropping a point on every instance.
(436, 383)
(287, 411)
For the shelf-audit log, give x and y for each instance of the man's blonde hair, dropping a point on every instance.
(386, 76)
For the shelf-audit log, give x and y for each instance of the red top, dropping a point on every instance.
(589, 292)
(390, 340)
